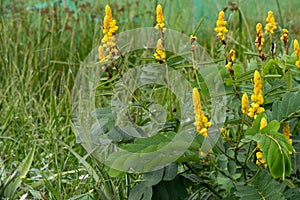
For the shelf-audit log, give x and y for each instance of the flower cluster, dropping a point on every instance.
(257, 97)
(221, 27)
(286, 132)
(271, 25)
(160, 19)
(231, 59)
(245, 104)
(285, 38)
(101, 54)
(297, 52)
(259, 159)
(159, 53)
(259, 154)
(201, 121)
(109, 30)
(259, 41)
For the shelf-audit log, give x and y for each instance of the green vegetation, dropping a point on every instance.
(44, 45)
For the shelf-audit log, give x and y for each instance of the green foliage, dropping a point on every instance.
(140, 191)
(287, 108)
(42, 47)
(125, 159)
(263, 186)
(274, 146)
(276, 150)
(10, 186)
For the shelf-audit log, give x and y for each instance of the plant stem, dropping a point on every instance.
(203, 183)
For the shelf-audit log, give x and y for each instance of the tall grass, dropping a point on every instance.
(40, 55)
(41, 51)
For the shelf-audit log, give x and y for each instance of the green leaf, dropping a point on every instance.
(170, 172)
(193, 178)
(262, 187)
(105, 118)
(285, 108)
(238, 70)
(154, 177)
(272, 126)
(225, 183)
(247, 192)
(273, 67)
(256, 125)
(174, 189)
(276, 148)
(140, 191)
(134, 155)
(23, 169)
(81, 160)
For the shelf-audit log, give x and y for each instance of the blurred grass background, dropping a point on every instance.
(42, 44)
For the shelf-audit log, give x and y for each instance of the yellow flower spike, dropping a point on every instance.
(260, 110)
(159, 53)
(228, 66)
(109, 30)
(260, 99)
(221, 29)
(286, 132)
(159, 44)
(260, 160)
(285, 35)
(259, 41)
(257, 97)
(296, 48)
(245, 104)
(160, 19)
(101, 54)
(108, 12)
(257, 84)
(263, 123)
(259, 36)
(297, 52)
(201, 121)
(221, 22)
(271, 25)
(232, 55)
(231, 60)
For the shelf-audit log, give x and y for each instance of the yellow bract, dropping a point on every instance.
(201, 121)
(221, 26)
(109, 30)
(257, 97)
(192, 37)
(297, 52)
(285, 35)
(260, 161)
(286, 132)
(159, 53)
(259, 41)
(245, 104)
(109, 25)
(231, 59)
(271, 25)
(160, 19)
(101, 54)
(263, 123)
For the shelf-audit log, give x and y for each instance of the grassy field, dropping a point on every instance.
(42, 47)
